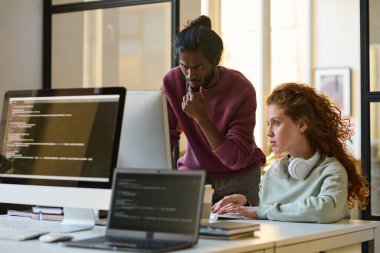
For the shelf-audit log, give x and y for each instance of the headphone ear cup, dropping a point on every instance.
(281, 168)
(298, 168)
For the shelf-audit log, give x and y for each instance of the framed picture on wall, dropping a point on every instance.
(336, 84)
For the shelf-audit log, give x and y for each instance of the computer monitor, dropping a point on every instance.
(145, 141)
(59, 147)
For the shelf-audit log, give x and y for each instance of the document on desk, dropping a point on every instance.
(51, 217)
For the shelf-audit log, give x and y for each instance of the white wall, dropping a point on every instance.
(20, 45)
(336, 43)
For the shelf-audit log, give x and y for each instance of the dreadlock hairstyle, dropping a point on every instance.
(198, 35)
(327, 130)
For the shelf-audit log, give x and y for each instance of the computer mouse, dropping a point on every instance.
(51, 237)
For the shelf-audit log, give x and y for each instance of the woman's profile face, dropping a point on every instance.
(284, 134)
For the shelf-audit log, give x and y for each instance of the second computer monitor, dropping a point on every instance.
(145, 141)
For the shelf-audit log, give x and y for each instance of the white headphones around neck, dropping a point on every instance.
(297, 168)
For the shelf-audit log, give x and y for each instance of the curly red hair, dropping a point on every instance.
(327, 130)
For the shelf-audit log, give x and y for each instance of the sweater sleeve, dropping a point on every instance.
(328, 206)
(239, 145)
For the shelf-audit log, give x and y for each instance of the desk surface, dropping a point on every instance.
(284, 236)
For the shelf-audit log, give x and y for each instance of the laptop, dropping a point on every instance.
(151, 211)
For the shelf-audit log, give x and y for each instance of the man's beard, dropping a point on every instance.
(205, 84)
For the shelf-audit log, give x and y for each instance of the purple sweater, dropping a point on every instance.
(231, 107)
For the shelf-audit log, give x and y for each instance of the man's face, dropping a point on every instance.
(197, 69)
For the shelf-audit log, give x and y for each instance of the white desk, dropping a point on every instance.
(280, 237)
(345, 236)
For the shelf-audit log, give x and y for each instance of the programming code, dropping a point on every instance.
(155, 203)
(60, 137)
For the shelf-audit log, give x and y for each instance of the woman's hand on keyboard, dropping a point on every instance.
(246, 211)
(236, 199)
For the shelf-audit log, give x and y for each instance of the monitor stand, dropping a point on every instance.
(75, 219)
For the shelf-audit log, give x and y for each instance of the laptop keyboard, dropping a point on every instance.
(137, 243)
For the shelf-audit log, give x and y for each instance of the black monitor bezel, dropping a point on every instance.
(121, 91)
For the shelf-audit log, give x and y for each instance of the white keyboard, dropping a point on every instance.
(37, 225)
(228, 216)
(19, 234)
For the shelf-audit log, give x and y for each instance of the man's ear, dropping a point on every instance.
(217, 60)
(302, 125)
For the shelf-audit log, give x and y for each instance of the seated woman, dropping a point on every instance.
(318, 180)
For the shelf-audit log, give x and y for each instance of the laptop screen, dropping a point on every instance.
(165, 202)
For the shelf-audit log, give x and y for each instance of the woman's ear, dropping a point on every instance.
(303, 125)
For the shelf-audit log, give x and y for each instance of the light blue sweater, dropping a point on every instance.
(321, 197)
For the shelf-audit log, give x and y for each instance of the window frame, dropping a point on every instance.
(49, 10)
(367, 97)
